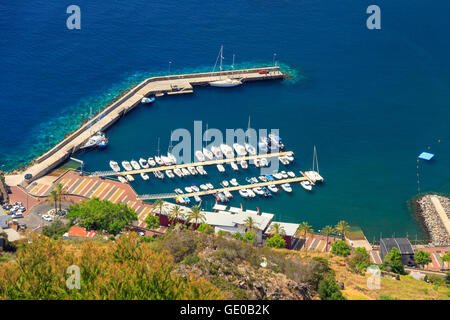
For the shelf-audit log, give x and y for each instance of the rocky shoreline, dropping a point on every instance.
(431, 219)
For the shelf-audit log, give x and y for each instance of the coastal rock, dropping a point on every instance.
(433, 223)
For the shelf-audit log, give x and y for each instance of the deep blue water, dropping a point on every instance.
(370, 101)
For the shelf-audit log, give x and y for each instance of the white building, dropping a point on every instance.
(3, 219)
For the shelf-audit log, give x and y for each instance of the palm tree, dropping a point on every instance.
(327, 230)
(250, 224)
(304, 229)
(343, 228)
(176, 214)
(276, 228)
(60, 192)
(53, 197)
(158, 204)
(196, 215)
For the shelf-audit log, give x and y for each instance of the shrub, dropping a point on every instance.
(422, 258)
(249, 237)
(329, 290)
(393, 262)
(276, 241)
(55, 230)
(206, 228)
(237, 236)
(340, 248)
(152, 221)
(359, 260)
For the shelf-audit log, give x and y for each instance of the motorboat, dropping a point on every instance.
(208, 154)
(148, 100)
(286, 187)
(240, 149)
(195, 188)
(188, 189)
(251, 194)
(289, 157)
(199, 155)
(143, 163)
(263, 162)
(250, 149)
(210, 186)
(221, 168)
(159, 161)
(291, 174)
(306, 185)
(122, 179)
(243, 193)
(126, 165)
(284, 174)
(276, 141)
(227, 151)
(314, 176)
(95, 140)
(255, 180)
(221, 197)
(201, 170)
(257, 163)
(204, 187)
(284, 161)
(273, 188)
(234, 166)
(167, 160)
(178, 191)
(262, 147)
(263, 178)
(172, 158)
(180, 200)
(178, 172)
(217, 152)
(269, 177)
(244, 164)
(114, 165)
(258, 190)
(185, 172)
(160, 175)
(277, 175)
(192, 171)
(228, 194)
(129, 177)
(234, 182)
(169, 174)
(197, 199)
(151, 162)
(135, 165)
(186, 199)
(144, 176)
(225, 184)
(249, 180)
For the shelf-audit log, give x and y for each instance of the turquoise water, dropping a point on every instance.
(370, 101)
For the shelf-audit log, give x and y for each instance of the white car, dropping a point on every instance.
(47, 218)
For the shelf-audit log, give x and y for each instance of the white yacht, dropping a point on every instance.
(122, 179)
(195, 188)
(129, 177)
(94, 140)
(199, 155)
(143, 163)
(234, 182)
(250, 149)
(192, 171)
(135, 165)
(178, 172)
(167, 160)
(159, 160)
(185, 172)
(208, 154)
(197, 199)
(201, 170)
(240, 149)
(284, 175)
(251, 194)
(227, 151)
(225, 184)
(114, 165)
(178, 191)
(258, 190)
(172, 158)
(227, 81)
(273, 188)
(188, 189)
(306, 185)
(148, 100)
(169, 174)
(221, 168)
(126, 165)
(277, 175)
(257, 163)
(210, 186)
(286, 187)
(228, 194)
(262, 147)
(263, 162)
(289, 157)
(244, 164)
(243, 193)
(234, 166)
(151, 162)
(291, 174)
(217, 152)
(144, 176)
(204, 187)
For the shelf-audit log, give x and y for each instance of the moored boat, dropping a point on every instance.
(208, 154)
(192, 171)
(185, 172)
(178, 172)
(244, 164)
(286, 187)
(234, 182)
(225, 184)
(129, 177)
(199, 155)
(306, 185)
(227, 151)
(273, 188)
(148, 100)
(240, 149)
(243, 193)
(217, 152)
(126, 165)
(135, 165)
(151, 162)
(234, 166)
(221, 168)
(143, 163)
(250, 149)
(144, 176)
(122, 179)
(114, 165)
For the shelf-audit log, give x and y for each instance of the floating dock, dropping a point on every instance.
(175, 84)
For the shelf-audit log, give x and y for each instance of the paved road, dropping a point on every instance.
(34, 219)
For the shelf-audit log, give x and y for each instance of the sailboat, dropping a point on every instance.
(208, 154)
(314, 174)
(171, 157)
(158, 159)
(250, 149)
(227, 82)
(97, 140)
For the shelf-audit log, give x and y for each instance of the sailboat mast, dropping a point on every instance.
(232, 67)
(158, 146)
(221, 58)
(248, 130)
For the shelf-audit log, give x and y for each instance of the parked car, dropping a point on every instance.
(47, 218)
(263, 71)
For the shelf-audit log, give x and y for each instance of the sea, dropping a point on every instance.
(370, 100)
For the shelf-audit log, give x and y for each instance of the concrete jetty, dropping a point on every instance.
(174, 84)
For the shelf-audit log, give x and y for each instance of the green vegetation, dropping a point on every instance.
(206, 228)
(176, 215)
(237, 236)
(152, 221)
(340, 248)
(53, 198)
(422, 258)
(343, 228)
(446, 258)
(96, 214)
(359, 260)
(329, 290)
(196, 216)
(250, 224)
(56, 229)
(276, 228)
(393, 262)
(304, 229)
(327, 230)
(249, 237)
(276, 241)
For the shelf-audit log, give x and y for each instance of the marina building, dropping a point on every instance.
(402, 244)
(289, 233)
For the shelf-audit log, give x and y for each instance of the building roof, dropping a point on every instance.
(219, 207)
(289, 228)
(81, 232)
(402, 244)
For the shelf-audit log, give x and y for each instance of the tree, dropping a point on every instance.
(53, 197)
(276, 241)
(158, 204)
(343, 228)
(446, 258)
(97, 214)
(276, 228)
(206, 228)
(422, 258)
(60, 192)
(329, 290)
(327, 230)
(393, 261)
(175, 215)
(359, 260)
(196, 215)
(249, 237)
(250, 224)
(55, 230)
(237, 236)
(152, 221)
(304, 229)
(340, 248)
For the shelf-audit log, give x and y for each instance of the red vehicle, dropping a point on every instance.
(263, 71)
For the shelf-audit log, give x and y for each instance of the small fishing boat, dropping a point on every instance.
(178, 191)
(178, 172)
(258, 190)
(195, 188)
(186, 199)
(225, 184)
(167, 161)
(244, 164)
(291, 174)
(234, 182)
(169, 174)
(263, 162)
(197, 199)
(143, 163)
(199, 155)
(255, 180)
(227, 151)
(286, 187)
(204, 187)
(172, 158)
(251, 194)
(144, 176)
(188, 189)
(185, 172)
(228, 194)
(135, 165)
(201, 170)
(114, 165)
(210, 186)
(289, 157)
(306, 185)
(151, 162)
(221, 168)
(234, 166)
(273, 188)
(277, 175)
(250, 149)
(126, 165)
(159, 161)
(122, 179)
(192, 171)
(257, 163)
(284, 161)
(269, 177)
(208, 154)
(267, 193)
(276, 141)
(243, 193)
(284, 175)
(148, 100)
(240, 149)
(262, 147)
(263, 178)
(158, 174)
(221, 197)
(129, 177)
(217, 152)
